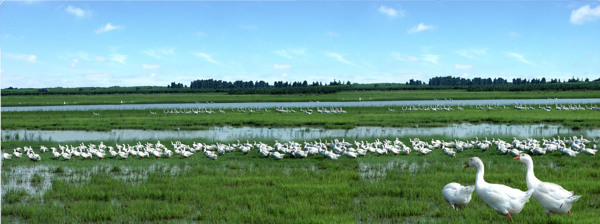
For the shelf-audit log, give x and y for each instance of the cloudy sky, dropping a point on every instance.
(128, 43)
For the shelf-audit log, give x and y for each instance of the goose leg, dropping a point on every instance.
(548, 214)
(570, 214)
(508, 214)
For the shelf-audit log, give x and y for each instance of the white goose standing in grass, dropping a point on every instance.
(503, 199)
(457, 195)
(554, 198)
(55, 153)
(6, 156)
(16, 152)
(210, 154)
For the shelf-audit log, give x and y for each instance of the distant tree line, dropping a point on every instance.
(456, 81)
(220, 84)
(174, 85)
(281, 87)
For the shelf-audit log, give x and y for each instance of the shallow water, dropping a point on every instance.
(225, 134)
(19, 177)
(374, 172)
(301, 104)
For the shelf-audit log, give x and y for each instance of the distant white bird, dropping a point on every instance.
(276, 155)
(210, 155)
(16, 152)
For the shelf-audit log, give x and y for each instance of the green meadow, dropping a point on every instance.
(355, 116)
(47, 100)
(251, 189)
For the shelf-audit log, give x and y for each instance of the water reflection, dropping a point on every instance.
(225, 134)
(20, 177)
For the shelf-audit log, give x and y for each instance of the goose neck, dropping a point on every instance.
(530, 177)
(479, 178)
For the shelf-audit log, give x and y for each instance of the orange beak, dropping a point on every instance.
(467, 165)
(517, 157)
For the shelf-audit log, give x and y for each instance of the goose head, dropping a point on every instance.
(524, 158)
(467, 189)
(474, 162)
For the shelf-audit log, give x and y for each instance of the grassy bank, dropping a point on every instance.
(46, 100)
(237, 188)
(355, 116)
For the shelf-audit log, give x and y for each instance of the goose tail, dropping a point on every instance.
(572, 199)
(528, 194)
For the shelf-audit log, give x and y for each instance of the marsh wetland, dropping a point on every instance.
(252, 188)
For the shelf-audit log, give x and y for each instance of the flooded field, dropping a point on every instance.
(300, 133)
(35, 180)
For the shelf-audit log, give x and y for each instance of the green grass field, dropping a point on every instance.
(251, 189)
(355, 116)
(45, 100)
(237, 188)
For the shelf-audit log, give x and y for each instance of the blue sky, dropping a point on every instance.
(129, 43)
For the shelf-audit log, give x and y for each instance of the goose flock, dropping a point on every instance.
(336, 110)
(509, 201)
(560, 107)
(571, 146)
(331, 110)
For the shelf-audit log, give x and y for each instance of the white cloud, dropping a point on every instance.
(150, 67)
(333, 34)
(419, 28)
(412, 59)
(100, 59)
(201, 34)
(519, 57)
(23, 57)
(585, 14)
(78, 12)
(206, 57)
(298, 51)
(431, 58)
(513, 34)
(153, 75)
(472, 52)
(74, 62)
(284, 75)
(390, 11)
(401, 57)
(159, 53)
(290, 53)
(276, 66)
(249, 27)
(120, 58)
(283, 53)
(462, 67)
(107, 27)
(337, 57)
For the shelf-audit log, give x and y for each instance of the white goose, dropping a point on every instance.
(554, 198)
(503, 199)
(6, 156)
(457, 195)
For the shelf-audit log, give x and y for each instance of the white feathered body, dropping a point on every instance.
(457, 195)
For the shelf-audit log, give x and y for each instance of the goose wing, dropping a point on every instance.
(553, 191)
